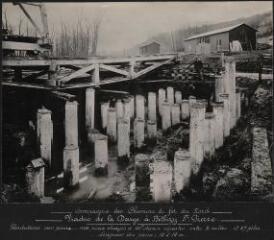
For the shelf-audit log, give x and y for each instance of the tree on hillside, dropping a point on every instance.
(79, 40)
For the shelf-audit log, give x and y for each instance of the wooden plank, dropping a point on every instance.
(27, 85)
(63, 95)
(64, 62)
(78, 73)
(22, 46)
(113, 69)
(113, 92)
(151, 68)
(33, 76)
(254, 75)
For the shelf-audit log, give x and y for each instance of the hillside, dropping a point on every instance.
(261, 22)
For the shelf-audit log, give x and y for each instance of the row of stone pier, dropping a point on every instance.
(140, 116)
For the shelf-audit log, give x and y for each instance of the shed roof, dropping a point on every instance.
(148, 42)
(217, 31)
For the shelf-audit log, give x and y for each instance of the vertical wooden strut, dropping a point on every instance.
(96, 74)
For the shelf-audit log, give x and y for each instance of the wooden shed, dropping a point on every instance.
(149, 48)
(239, 37)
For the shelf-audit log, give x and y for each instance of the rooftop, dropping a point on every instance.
(217, 31)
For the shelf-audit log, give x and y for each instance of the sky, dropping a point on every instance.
(125, 24)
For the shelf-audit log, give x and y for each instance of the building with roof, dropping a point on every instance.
(149, 48)
(239, 37)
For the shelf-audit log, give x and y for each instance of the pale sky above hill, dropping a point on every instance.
(127, 24)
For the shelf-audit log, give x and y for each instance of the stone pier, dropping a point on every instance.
(142, 171)
(226, 124)
(230, 88)
(123, 141)
(90, 108)
(35, 177)
(132, 106)
(127, 113)
(182, 169)
(161, 99)
(101, 153)
(238, 104)
(119, 109)
(151, 132)
(178, 97)
(196, 135)
(140, 107)
(152, 106)
(185, 109)
(111, 125)
(219, 86)
(218, 109)
(104, 114)
(209, 130)
(71, 166)
(166, 116)
(191, 101)
(139, 132)
(71, 123)
(170, 95)
(175, 114)
(45, 134)
(161, 178)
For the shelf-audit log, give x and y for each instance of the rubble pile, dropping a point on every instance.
(228, 175)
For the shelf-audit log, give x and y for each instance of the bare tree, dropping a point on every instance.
(20, 23)
(5, 20)
(95, 35)
(78, 40)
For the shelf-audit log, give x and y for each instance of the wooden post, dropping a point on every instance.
(96, 74)
(131, 69)
(90, 108)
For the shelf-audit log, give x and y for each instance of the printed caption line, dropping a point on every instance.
(48, 220)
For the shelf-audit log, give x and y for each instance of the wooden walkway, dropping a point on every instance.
(118, 70)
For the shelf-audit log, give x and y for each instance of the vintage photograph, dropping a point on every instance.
(137, 102)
